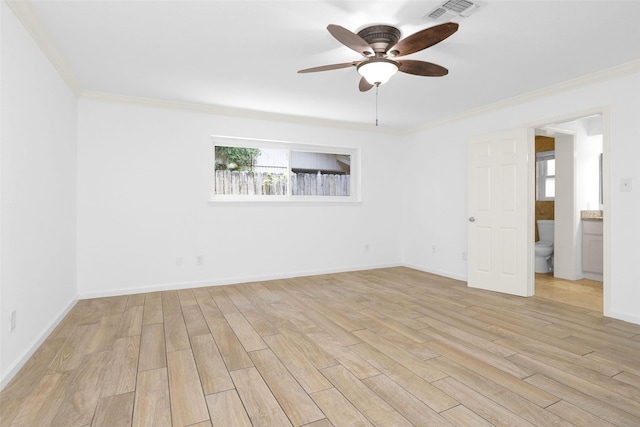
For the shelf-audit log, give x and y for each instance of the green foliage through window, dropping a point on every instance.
(236, 158)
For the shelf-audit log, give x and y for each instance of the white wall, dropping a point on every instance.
(436, 183)
(623, 215)
(435, 202)
(144, 181)
(577, 160)
(567, 240)
(588, 172)
(588, 147)
(38, 196)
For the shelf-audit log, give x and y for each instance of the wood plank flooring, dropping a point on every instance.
(386, 347)
(583, 293)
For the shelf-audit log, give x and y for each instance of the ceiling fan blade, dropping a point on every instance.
(422, 68)
(330, 67)
(350, 40)
(364, 85)
(423, 39)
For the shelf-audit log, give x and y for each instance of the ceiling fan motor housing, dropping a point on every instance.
(380, 37)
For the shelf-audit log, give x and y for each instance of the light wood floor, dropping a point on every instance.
(388, 347)
(583, 293)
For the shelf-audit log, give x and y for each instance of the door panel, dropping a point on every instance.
(500, 247)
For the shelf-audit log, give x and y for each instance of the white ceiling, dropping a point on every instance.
(245, 54)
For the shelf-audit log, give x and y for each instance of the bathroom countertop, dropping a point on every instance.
(591, 215)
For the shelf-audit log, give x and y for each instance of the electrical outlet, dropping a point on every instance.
(433, 249)
(200, 260)
(366, 247)
(12, 320)
(179, 261)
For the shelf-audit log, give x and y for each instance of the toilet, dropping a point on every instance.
(544, 247)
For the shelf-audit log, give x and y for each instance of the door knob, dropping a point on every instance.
(471, 219)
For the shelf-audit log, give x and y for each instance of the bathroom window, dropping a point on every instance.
(546, 173)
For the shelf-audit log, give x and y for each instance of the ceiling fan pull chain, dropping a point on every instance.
(377, 86)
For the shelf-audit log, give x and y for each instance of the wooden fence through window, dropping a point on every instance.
(264, 183)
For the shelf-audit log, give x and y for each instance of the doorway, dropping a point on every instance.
(578, 144)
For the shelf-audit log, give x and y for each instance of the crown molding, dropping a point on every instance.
(26, 13)
(233, 112)
(590, 79)
(587, 80)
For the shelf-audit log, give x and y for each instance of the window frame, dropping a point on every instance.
(542, 174)
(232, 141)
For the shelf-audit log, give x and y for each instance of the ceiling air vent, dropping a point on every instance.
(437, 13)
(451, 9)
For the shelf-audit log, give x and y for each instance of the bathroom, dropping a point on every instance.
(568, 205)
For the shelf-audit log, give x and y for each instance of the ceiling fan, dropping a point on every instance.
(381, 47)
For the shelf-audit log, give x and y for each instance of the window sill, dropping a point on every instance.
(282, 201)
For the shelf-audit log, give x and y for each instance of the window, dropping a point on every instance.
(258, 170)
(546, 175)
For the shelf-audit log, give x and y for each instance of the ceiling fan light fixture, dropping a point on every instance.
(378, 71)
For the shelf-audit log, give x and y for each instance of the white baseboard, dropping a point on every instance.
(593, 276)
(437, 272)
(624, 317)
(31, 349)
(226, 281)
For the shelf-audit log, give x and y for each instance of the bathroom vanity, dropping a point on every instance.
(592, 247)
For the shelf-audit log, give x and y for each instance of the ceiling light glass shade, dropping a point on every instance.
(378, 71)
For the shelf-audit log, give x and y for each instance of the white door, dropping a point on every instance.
(500, 236)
